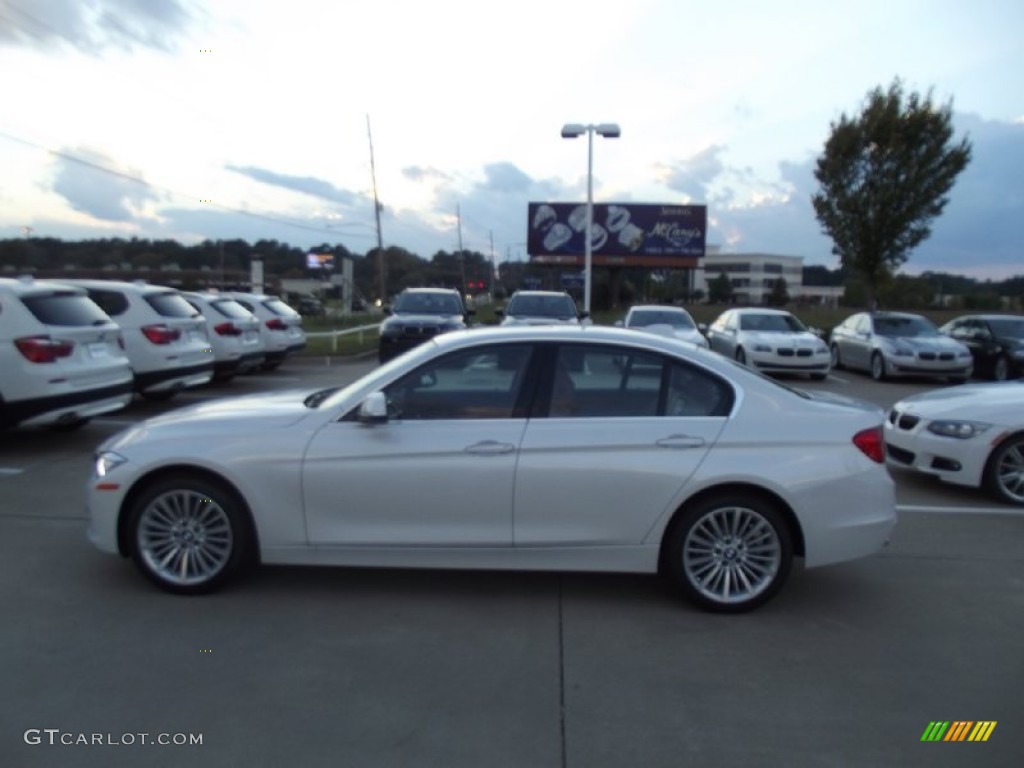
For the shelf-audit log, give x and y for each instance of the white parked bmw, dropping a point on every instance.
(970, 435)
(532, 447)
(770, 340)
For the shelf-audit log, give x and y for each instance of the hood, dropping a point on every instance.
(414, 319)
(926, 343)
(264, 413)
(997, 401)
(799, 339)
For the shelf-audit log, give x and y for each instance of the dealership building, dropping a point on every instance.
(752, 276)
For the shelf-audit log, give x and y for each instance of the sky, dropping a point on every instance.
(252, 119)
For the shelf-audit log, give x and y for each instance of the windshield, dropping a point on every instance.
(771, 322)
(644, 317)
(561, 307)
(428, 304)
(910, 325)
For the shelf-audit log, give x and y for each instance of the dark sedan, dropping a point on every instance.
(996, 343)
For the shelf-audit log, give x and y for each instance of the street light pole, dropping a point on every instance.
(571, 131)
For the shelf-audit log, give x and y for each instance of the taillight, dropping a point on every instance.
(227, 329)
(276, 324)
(871, 443)
(43, 349)
(161, 334)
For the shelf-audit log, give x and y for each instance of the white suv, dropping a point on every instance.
(280, 326)
(164, 335)
(61, 357)
(233, 331)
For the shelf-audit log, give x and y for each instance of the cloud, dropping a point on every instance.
(694, 176)
(307, 185)
(421, 173)
(93, 26)
(92, 183)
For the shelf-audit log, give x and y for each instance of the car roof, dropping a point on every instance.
(21, 286)
(140, 286)
(541, 293)
(658, 308)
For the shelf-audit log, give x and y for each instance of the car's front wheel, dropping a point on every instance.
(837, 361)
(188, 534)
(741, 356)
(729, 553)
(878, 372)
(1004, 472)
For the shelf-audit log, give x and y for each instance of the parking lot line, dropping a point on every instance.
(959, 510)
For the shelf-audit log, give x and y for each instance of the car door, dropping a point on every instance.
(440, 470)
(857, 351)
(622, 432)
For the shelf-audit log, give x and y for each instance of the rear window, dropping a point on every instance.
(278, 307)
(68, 309)
(170, 304)
(231, 308)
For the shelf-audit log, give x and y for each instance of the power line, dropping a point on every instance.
(150, 185)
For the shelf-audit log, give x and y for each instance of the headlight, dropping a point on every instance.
(107, 462)
(956, 428)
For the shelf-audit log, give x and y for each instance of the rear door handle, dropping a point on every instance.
(490, 448)
(680, 441)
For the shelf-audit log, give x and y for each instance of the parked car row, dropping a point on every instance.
(71, 350)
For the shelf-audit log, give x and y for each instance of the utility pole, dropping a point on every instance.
(494, 266)
(381, 266)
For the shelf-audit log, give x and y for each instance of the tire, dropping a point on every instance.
(741, 356)
(1004, 471)
(878, 367)
(72, 426)
(272, 365)
(819, 376)
(1001, 368)
(189, 535)
(160, 396)
(724, 540)
(837, 362)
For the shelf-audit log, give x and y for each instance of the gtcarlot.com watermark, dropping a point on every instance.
(55, 737)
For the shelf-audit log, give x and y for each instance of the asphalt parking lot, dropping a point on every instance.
(353, 667)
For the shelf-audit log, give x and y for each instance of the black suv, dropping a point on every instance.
(419, 314)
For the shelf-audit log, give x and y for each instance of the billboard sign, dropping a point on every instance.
(623, 234)
(320, 261)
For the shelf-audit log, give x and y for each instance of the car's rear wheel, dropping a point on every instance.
(741, 356)
(1004, 471)
(729, 553)
(188, 534)
(1001, 368)
(878, 372)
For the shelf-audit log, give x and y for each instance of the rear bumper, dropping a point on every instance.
(174, 378)
(68, 407)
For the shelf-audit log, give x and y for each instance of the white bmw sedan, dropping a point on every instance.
(970, 435)
(547, 448)
(770, 340)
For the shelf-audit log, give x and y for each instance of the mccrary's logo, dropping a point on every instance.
(958, 730)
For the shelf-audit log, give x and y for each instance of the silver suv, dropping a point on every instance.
(62, 358)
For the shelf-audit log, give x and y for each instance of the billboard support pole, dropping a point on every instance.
(588, 235)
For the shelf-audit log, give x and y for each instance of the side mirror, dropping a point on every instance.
(703, 328)
(619, 324)
(584, 315)
(374, 409)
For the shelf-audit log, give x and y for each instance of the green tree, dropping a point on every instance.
(779, 296)
(720, 289)
(885, 175)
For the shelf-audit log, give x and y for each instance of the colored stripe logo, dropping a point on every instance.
(958, 730)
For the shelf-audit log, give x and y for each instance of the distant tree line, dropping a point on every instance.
(202, 264)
